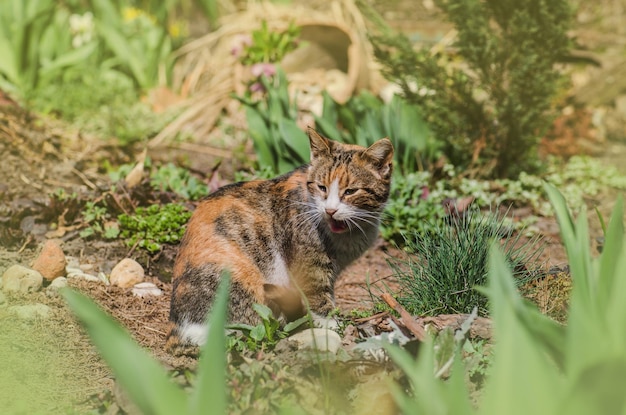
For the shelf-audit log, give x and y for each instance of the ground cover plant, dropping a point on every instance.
(419, 199)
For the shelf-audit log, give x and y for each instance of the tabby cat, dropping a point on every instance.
(281, 237)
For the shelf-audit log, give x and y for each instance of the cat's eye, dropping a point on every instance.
(349, 192)
(322, 188)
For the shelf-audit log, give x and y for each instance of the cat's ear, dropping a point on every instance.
(320, 146)
(381, 154)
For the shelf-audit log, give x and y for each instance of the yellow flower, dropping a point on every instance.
(131, 13)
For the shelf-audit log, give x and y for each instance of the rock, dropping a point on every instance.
(18, 278)
(31, 311)
(78, 273)
(3, 298)
(51, 261)
(146, 289)
(53, 288)
(126, 273)
(317, 338)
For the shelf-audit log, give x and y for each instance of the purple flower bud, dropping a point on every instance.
(267, 69)
(257, 87)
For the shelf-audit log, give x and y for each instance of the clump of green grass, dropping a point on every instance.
(150, 227)
(445, 265)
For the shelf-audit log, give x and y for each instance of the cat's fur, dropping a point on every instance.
(294, 233)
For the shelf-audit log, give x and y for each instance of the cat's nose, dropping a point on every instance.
(331, 212)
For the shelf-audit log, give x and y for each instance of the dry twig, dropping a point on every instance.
(408, 320)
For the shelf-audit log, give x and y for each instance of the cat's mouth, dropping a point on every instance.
(337, 226)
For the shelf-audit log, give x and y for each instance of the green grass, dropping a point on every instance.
(446, 264)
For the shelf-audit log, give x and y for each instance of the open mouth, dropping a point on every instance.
(337, 226)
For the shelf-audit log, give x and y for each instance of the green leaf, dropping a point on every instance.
(258, 333)
(260, 138)
(239, 326)
(125, 53)
(292, 325)
(516, 351)
(145, 381)
(210, 9)
(295, 139)
(210, 390)
(611, 254)
(263, 311)
(73, 57)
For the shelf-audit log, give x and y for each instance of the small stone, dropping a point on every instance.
(18, 278)
(146, 289)
(126, 273)
(78, 273)
(317, 338)
(53, 288)
(31, 311)
(51, 261)
(72, 262)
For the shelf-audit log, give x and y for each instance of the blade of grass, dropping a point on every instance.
(210, 393)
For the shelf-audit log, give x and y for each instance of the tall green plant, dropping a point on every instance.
(35, 44)
(539, 366)
(492, 115)
(278, 142)
(134, 43)
(143, 378)
(365, 119)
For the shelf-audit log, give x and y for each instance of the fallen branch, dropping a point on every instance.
(407, 319)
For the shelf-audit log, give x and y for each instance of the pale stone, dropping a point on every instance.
(51, 261)
(146, 289)
(78, 273)
(18, 278)
(317, 338)
(55, 286)
(126, 273)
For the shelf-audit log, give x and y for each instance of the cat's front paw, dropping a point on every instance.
(328, 323)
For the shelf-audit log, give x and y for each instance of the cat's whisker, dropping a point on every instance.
(351, 221)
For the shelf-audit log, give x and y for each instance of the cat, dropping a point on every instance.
(281, 237)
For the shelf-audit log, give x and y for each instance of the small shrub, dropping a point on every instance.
(412, 208)
(98, 221)
(150, 227)
(101, 102)
(178, 180)
(492, 108)
(267, 46)
(446, 265)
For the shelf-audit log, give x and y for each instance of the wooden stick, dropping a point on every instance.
(372, 317)
(407, 319)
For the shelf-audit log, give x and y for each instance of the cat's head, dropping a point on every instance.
(348, 183)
